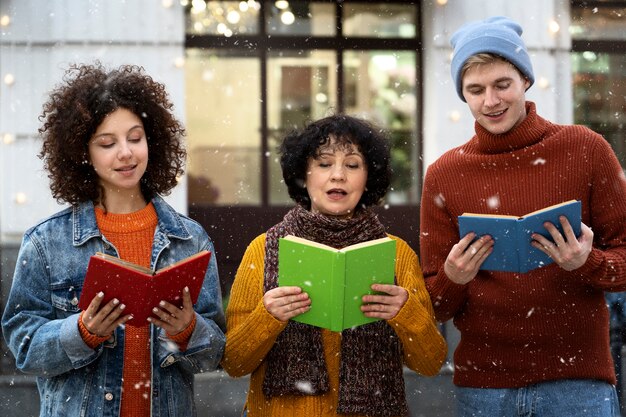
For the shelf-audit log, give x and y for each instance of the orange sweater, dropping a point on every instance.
(132, 235)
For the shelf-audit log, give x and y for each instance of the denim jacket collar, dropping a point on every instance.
(86, 227)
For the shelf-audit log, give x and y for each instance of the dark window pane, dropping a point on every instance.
(598, 23)
(302, 18)
(381, 20)
(599, 91)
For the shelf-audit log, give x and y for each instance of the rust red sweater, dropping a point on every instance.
(519, 329)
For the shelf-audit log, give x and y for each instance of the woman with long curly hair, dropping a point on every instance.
(111, 147)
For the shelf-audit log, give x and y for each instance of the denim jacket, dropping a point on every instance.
(40, 322)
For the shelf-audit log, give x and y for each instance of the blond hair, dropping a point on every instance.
(484, 58)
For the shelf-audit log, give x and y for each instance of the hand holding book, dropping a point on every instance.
(385, 304)
(567, 250)
(513, 250)
(139, 289)
(335, 279)
(285, 303)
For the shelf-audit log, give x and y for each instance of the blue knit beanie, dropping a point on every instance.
(497, 35)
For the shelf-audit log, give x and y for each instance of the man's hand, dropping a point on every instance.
(465, 258)
(566, 250)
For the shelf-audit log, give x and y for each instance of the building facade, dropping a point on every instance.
(242, 73)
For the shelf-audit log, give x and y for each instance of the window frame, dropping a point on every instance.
(260, 44)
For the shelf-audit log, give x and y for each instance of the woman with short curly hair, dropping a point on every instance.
(111, 146)
(335, 170)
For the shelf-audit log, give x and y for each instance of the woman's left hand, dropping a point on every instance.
(171, 318)
(384, 306)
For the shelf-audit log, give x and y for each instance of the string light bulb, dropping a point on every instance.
(543, 83)
(9, 79)
(179, 62)
(554, 26)
(8, 138)
(20, 198)
(287, 17)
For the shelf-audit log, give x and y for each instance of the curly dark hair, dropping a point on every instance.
(371, 141)
(76, 108)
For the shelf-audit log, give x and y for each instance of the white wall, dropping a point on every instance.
(447, 120)
(41, 39)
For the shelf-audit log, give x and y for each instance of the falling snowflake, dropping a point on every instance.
(493, 202)
(440, 200)
(304, 386)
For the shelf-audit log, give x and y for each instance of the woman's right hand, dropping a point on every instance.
(103, 321)
(466, 257)
(285, 303)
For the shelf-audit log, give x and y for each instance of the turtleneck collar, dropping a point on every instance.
(530, 131)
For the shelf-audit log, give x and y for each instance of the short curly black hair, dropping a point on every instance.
(76, 108)
(298, 146)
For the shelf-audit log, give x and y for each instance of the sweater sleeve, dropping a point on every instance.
(606, 266)
(250, 329)
(424, 347)
(89, 338)
(438, 233)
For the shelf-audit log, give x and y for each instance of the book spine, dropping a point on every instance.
(337, 291)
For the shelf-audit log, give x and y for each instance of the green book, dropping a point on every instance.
(335, 279)
(512, 251)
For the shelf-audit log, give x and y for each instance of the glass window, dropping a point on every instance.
(223, 128)
(598, 23)
(380, 20)
(302, 18)
(599, 91)
(301, 87)
(381, 86)
(246, 93)
(226, 18)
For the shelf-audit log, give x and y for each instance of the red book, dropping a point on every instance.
(140, 288)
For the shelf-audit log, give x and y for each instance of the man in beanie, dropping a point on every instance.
(535, 343)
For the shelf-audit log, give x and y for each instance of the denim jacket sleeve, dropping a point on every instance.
(43, 341)
(206, 345)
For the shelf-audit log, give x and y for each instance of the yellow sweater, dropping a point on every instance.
(251, 332)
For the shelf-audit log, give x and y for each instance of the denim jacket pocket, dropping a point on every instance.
(64, 297)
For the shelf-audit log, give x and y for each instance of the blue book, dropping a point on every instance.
(512, 251)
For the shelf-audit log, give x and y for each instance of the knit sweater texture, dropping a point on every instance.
(547, 324)
(252, 330)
